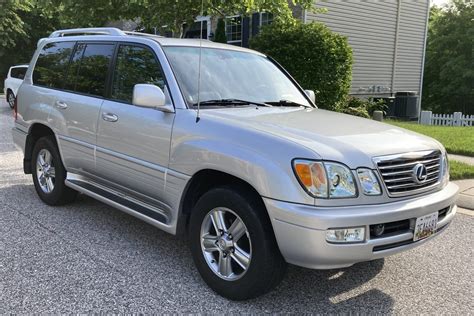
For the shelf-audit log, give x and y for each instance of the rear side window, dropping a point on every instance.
(135, 64)
(51, 65)
(18, 72)
(88, 70)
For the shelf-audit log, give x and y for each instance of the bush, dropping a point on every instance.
(316, 57)
(361, 107)
(220, 36)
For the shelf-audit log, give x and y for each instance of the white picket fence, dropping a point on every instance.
(456, 119)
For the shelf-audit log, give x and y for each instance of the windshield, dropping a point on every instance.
(228, 74)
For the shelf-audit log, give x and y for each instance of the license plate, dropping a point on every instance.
(425, 226)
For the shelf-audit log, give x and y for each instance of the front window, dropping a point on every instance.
(229, 74)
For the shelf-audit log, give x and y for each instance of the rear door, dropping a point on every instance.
(77, 105)
(133, 142)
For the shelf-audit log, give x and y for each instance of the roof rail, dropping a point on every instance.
(141, 34)
(91, 30)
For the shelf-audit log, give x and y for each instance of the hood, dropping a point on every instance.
(331, 135)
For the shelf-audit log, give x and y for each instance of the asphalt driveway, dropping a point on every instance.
(88, 257)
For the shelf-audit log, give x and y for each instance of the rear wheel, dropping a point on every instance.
(11, 99)
(233, 245)
(49, 173)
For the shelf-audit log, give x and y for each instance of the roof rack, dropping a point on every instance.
(91, 30)
(141, 34)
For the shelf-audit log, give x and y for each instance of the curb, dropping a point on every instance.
(466, 194)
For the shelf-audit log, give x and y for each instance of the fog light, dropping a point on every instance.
(346, 235)
(378, 230)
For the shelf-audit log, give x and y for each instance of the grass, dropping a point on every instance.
(460, 170)
(456, 140)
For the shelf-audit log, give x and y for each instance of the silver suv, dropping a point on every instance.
(256, 177)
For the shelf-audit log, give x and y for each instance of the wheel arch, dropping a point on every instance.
(36, 131)
(200, 183)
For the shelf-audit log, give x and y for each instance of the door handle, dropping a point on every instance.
(109, 117)
(61, 105)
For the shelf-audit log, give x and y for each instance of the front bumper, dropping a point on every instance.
(300, 230)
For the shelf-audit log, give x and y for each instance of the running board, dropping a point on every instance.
(145, 212)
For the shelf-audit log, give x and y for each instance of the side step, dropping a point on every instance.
(146, 212)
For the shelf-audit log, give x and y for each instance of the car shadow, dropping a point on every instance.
(302, 290)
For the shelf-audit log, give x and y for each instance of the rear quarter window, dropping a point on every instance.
(52, 63)
(18, 72)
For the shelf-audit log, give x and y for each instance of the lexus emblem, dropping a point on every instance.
(420, 173)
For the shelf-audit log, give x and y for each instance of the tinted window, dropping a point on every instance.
(134, 65)
(88, 70)
(18, 72)
(52, 63)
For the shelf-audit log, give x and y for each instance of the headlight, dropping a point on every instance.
(445, 169)
(325, 179)
(368, 181)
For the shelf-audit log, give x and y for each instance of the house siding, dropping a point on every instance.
(384, 63)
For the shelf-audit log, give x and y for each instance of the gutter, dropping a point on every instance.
(395, 51)
(424, 56)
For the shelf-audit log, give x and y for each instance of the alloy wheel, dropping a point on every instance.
(11, 100)
(45, 171)
(226, 244)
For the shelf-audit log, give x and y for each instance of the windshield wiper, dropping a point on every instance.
(230, 102)
(286, 103)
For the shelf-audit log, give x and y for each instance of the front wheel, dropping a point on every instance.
(233, 244)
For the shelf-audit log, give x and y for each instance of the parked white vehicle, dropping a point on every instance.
(257, 178)
(15, 77)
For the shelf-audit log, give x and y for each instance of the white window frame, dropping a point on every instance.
(206, 18)
(241, 28)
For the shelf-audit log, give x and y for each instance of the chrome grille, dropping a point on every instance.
(399, 174)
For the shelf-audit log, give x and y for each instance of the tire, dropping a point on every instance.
(266, 267)
(52, 190)
(10, 99)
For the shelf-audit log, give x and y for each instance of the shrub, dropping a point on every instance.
(361, 107)
(220, 36)
(316, 57)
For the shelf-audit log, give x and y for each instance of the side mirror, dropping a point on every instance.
(311, 95)
(150, 96)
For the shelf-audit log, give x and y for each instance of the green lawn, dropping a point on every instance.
(456, 140)
(459, 170)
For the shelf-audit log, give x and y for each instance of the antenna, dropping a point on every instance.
(199, 67)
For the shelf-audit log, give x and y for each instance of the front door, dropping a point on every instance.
(133, 143)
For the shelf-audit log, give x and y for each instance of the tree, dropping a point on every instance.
(220, 36)
(449, 67)
(11, 24)
(24, 22)
(316, 57)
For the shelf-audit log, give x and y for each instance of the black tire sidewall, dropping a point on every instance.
(55, 196)
(262, 239)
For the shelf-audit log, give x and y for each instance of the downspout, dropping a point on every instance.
(395, 51)
(423, 57)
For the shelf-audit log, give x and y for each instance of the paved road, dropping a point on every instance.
(88, 257)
